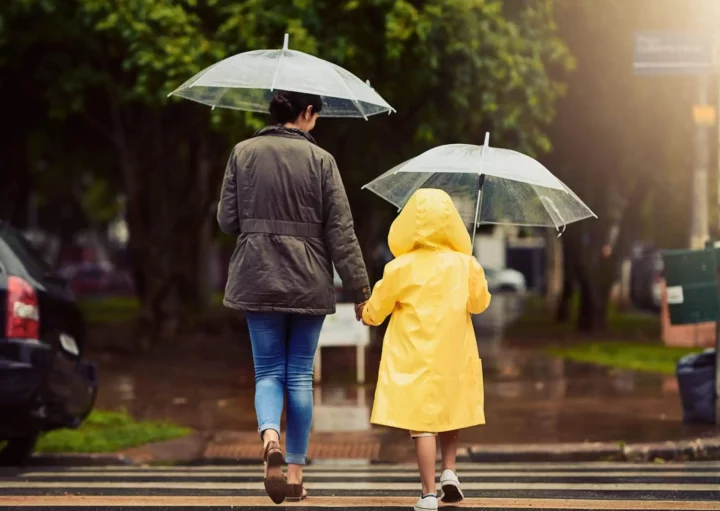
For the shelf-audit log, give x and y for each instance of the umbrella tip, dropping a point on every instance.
(487, 139)
(286, 41)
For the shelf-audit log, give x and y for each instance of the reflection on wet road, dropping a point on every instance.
(530, 398)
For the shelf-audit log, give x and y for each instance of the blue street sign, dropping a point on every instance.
(663, 53)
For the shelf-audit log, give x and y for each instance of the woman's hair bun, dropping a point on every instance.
(281, 109)
(287, 106)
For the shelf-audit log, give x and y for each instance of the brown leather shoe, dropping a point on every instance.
(296, 492)
(275, 482)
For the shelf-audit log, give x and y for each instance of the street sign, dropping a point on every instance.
(662, 53)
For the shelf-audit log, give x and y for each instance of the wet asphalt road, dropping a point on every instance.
(576, 486)
(529, 398)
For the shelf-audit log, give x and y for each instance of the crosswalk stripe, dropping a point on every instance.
(257, 472)
(363, 485)
(339, 485)
(355, 502)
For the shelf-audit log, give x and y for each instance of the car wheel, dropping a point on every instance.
(15, 452)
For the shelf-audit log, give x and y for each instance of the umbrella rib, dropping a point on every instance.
(217, 102)
(282, 54)
(353, 97)
(547, 211)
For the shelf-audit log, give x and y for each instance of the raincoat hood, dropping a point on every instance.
(429, 220)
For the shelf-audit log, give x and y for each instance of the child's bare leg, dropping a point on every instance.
(426, 449)
(449, 446)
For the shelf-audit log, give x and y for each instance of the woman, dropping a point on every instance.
(282, 196)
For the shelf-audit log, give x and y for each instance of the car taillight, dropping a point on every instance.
(23, 315)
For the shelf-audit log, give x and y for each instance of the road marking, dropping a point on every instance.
(257, 472)
(325, 465)
(355, 502)
(359, 485)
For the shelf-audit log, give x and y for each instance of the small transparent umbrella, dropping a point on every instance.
(488, 185)
(248, 81)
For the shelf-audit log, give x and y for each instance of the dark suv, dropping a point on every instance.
(44, 384)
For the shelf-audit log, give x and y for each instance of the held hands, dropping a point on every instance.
(359, 308)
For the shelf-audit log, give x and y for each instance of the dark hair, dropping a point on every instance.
(287, 106)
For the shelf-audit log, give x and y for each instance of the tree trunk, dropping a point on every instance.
(554, 270)
(596, 281)
(563, 312)
(204, 290)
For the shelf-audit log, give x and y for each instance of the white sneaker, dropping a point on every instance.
(450, 487)
(427, 503)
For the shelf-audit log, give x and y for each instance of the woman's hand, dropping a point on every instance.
(359, 308)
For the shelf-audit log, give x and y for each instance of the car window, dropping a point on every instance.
(25, 252)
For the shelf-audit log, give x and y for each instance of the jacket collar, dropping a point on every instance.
(278, 130)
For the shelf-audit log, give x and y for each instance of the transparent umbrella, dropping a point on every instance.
(488, 185)
(248, 81)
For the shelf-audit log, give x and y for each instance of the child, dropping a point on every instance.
(430, 381)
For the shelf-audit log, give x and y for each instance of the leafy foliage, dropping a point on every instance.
(452, 68)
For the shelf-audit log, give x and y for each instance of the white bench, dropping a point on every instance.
(342, 329)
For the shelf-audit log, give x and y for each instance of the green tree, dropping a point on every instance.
(452, 68)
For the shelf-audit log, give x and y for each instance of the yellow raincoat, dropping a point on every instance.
(430, 376)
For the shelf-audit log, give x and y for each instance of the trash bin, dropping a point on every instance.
(692, 286)
(696, 381)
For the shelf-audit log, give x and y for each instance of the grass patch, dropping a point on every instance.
(108, 432)
(110, 309)
(537, 322)
(121, 309)
(646, 357)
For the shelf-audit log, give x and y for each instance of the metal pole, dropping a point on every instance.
(717, 328)
(481, 182)
(700, 224)
(717, 373)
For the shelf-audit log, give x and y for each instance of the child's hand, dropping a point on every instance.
(359, 308)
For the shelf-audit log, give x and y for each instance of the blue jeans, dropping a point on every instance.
(284, 347)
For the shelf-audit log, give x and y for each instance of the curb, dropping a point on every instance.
(189, 452)
(700, 449)
(545, 453)
(79, 460)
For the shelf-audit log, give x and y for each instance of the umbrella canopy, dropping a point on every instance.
(248, 81)
(488, 185)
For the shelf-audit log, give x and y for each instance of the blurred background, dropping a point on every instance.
(112, 188)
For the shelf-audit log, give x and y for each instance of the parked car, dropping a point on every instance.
(89, 278)
(44, 382)
(505, 280)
